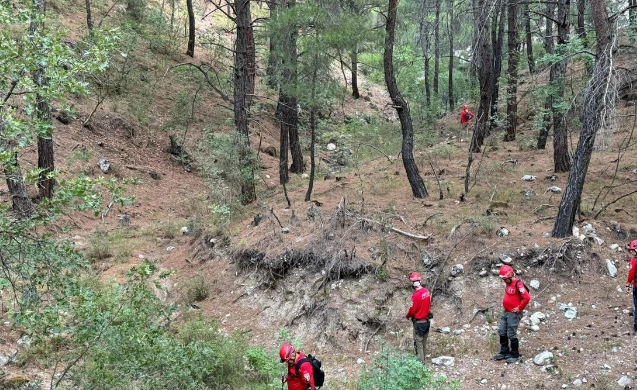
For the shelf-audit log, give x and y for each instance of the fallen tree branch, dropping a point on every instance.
(393, 229)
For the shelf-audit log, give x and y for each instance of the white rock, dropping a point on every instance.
(528, 177)
(543, 358)
(360, 361)
(612, 270)
(598, 240)
(447, 361)
(506, 259)
(624, 381)
(588, 228)
(24, 341)
(445, 330)
(305, 176)
(554, 189)
(535, 284)
(577, 382)
(537, 317)
(483, 272)
(331, 147)
(457, 269)
(619, 288)
(502, 232)
(571, 313)
(184, 230)
(534, 328)
(170, 248)
(483, 381)
(616, 247)
(575, 231)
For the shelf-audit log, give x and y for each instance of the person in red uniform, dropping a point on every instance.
(516, 297)
(419, 314)
(632, 279)
(465, 117)
(305, 379)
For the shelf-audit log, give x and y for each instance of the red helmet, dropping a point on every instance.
(285, 351)
(506, 272)
(464, 107)
(414, 277)
(633, 245)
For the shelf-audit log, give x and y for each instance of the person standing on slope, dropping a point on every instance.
(465, 118)
(516, 297)
(632, 279)
(304, 378)
(419, 314)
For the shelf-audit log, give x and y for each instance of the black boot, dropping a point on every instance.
(514, 356)
(504, 349)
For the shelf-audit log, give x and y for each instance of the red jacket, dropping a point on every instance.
(420, 303)
(305, 377)
(515, 295)
(463, 119)
(631, 271)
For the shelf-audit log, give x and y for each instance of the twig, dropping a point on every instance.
(406, 234)
(277, 218)
(614, 201)
(372, 336)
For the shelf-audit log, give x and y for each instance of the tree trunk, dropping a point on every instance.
(512, 80)
(548, 103)
(308, 194)
(89, 19)
(529, 38)
(598, 102)
(437, 48)
(581, 15)
(191, 29)
(416, 182)
(561, 158)
(497, 40)
(632, 15)
(284, 137)
(272, 70)
(450, 25)
(46, 161)
(483, 62)
(355, 93)
(21, 202)
(424, 47)
(241, 87)
(290, 116)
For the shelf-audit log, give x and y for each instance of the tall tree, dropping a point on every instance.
(529, 37)
(512, 79)
(548, 102)
(451, 22)
(401, 106)
(497, 41)
(437, 47)
(46, 160)
(89, 18)
(599, 101)
(191, 29)
(483, 63)
(425, 42)
(354, 73)
(561, 158)
(243, 20)
(581, 17)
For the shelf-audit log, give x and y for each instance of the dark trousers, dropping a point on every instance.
(635, 304)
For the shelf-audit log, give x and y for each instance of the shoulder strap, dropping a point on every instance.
(299, 363)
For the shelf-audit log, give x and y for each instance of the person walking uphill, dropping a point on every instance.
(297, 379)
(516, 297)
(419, 314)
(632, 279)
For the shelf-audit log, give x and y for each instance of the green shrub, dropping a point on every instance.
(195, 289)
(99, 247)
(398, 371)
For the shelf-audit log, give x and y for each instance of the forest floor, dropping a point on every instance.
(339, 308)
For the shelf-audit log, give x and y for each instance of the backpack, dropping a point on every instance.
(319, 375)
(467, 115)
(526, 288)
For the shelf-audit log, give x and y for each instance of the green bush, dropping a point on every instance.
(398, 371)
(196, 290)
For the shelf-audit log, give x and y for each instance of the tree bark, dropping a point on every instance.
(512, 81)
(547, 119)
(450, 26)
(191, 29)
(21, 202)
(437, 48)
(483, 62)
(581, 17)
(241, 87)
(632, 15)
(497, 41)
(89, 19)
(596, 107)
(272, 70)
(424, 47)
(308, 194)
(529, 38)
(561, 158)
(355, 93)
(417, 185)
